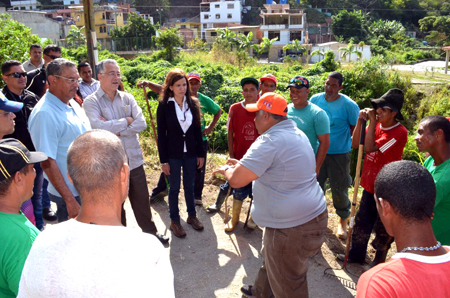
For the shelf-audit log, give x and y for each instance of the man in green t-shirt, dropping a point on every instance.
(310, 119)
(207, 105)
(17, 233)
(433, 136)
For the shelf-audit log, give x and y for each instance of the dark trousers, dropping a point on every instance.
(200, 176)
(140, 203)
(367, 219)
(40, 198)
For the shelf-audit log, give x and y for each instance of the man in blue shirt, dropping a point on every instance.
(343, 115)
(54, 123)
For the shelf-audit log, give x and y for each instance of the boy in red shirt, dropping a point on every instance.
(241, 134)
(384, 143)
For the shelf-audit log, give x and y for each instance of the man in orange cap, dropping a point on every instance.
(288, 201)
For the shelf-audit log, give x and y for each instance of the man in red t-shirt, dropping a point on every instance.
(384, 143)
(405, 196)
(241, 134)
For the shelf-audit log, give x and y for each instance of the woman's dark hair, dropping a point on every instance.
(173, 76)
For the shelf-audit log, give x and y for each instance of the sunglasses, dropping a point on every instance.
(299, 81)
(53, 56)
(17, 74)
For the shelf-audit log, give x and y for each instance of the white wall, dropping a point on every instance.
(366, 54)
(222, 11)
(40, 25)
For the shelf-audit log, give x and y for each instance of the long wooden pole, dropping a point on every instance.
(355, 190)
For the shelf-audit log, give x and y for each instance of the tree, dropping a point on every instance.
(348, 51)
(389, 29)
(15, 39)
(438, 29)
(76, 36)
(169, 40)
(295, 46)
(225, 40)
(321, 53)
(266, 44)
(137, 33)
(348, 24)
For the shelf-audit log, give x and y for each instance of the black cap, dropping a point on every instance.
(14, 156)
(249, 80)
(299, 82)
(393, 99)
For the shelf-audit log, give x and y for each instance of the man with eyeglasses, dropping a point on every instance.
(35, 61)
(118, 112)
(15, 77)
(36, 79)
(54, 123)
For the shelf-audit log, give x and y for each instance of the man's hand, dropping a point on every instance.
(142, 84)
(232, 161)
(200, 162)
(208, 129)
(73, 208)
(102, 118)
(129, 120)
(166, 169)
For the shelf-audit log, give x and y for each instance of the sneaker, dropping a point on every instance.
(247, 291)
(198, 202)
(48, 214)
(195, 223)
(177, 229)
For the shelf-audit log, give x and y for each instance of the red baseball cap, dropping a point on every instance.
(193, 75)
(268, 77)
(270, 102)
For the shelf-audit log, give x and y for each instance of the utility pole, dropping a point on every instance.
(91, 36)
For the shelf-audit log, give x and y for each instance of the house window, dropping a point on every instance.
(103, 16)
(273, 34)
(216, 5)
(183, 26)
(213, 33)
(205, 26)
(296, 35)
(218, 16)
(206, 16)
(101, 29)
(230, 5)
(296, 20)
(229, 16)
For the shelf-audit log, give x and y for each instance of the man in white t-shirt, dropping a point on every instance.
(94, 255)
(405, 195)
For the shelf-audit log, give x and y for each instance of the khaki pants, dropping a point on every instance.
(286, 253)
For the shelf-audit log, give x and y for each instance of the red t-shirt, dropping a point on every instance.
(242, 123)
(390, 142)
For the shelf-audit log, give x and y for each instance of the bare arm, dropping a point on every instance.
(369, 142)
(324, 144)
(157, 88)
(357, 131)
(238, 175)
(56, 178)
(230, 143)
(213, 123)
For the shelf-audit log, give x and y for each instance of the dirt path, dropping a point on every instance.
(213, 263)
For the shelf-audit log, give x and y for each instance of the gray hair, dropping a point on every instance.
(56, 66)
(94, 161)
(101, 64)
(276, 117)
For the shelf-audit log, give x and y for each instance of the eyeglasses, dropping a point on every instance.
(17, 75)
(52, 56)
(71, 81)
(6, 113)
(113, 74)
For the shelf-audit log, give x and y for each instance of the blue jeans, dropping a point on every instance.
(189, 165)
(62, 213)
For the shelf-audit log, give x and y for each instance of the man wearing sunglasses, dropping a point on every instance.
(36, 79)
(15, 77)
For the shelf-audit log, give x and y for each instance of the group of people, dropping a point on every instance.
(82, 137)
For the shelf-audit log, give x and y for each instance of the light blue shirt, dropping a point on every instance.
(54, 125)
(342, 113)
(286, 193)
(312, 120)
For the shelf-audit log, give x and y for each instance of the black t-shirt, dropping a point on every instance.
(36, 80)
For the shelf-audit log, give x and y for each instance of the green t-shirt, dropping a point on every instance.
(441, 219)
(312, 120)
(17, 234)
(207, 105)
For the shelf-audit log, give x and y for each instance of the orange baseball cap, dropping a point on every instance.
(270, 102)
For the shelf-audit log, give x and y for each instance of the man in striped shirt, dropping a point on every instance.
(384, 143)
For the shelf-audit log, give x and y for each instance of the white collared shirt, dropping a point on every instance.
(184, 115)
